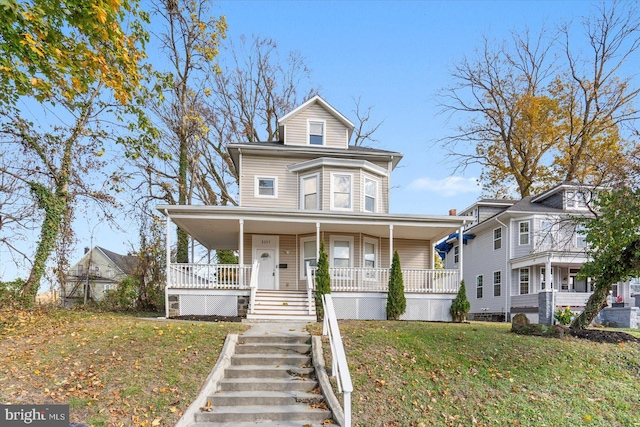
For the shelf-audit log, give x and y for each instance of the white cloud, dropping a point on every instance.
(447, 187)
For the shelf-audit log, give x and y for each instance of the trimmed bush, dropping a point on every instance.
(396, 302)
(323, 281)
(460, 306)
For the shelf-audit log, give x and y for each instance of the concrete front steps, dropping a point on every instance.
(282, 305)
(270, 382)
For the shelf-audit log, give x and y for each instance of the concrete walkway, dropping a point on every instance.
(294, 329)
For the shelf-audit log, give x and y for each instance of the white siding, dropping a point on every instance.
(296, 128)
(253, 166)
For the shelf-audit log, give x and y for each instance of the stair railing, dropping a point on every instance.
(253, 285)
(310, 285)
(339, 366)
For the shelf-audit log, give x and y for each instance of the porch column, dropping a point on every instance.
(241, 243)
(168, 263)
(460, 245)
(317, 241)
(547, 275)
(390, 245)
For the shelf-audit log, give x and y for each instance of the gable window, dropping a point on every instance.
(308, 250)
(370, 194)
(80, 269)
(524, 281)
(524, 232)
(497, 238)
(543, 278)
(479, 285)
(497, 283)
(341, 191)
(266, 187)
(316, 132)
(309, 199)
(456, 254)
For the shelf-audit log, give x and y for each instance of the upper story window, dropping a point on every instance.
(309, 196)
(316, 132)
(581, 236)
(497, 238)
(547, 234)
(266, 187)
(576, 199)
(370, 194)
(523, 228)
(341, 191)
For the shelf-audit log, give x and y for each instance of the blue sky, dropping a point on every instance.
(395, 55)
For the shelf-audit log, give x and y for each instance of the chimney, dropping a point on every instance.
(86, 249)
(453, 212)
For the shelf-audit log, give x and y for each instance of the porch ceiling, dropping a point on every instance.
(217, 227)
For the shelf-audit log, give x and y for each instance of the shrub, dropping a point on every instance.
(123, 297)
(10, 292)
(396, 302)
(323, 281)
(460, 306)
(564, 316)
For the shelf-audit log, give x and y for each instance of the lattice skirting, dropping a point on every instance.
(207, 303)
(373, 306)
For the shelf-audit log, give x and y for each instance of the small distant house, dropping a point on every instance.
(99, 270)
(517, 251)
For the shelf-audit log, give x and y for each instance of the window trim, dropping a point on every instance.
(332, 185)
(497, 240)
(528, 282)
(302, 193)
(479, 286)
(257, 187)
(324, 131)
(303, 270)
(498, 283)
(340, 238)
(521, 233)
(364, 194)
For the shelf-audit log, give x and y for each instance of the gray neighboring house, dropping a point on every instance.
(102, 269)
(516, 249)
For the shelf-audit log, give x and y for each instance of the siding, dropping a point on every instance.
(296, 128)
(480, 258)
(486, 212)
(519, 250)
(267, 166)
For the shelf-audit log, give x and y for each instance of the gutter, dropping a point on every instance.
(507, 284)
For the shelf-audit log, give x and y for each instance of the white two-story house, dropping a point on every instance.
(514, 250)
(308, 187)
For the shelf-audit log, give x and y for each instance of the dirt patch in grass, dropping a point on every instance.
(610, 337)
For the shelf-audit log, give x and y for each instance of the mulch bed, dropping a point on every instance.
(612, 337)
(203, 318)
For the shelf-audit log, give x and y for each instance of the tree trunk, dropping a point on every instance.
(597, 301)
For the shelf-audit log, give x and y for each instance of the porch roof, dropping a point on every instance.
(560, 259)
(217, 227)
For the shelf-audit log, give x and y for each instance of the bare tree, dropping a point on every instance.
(364, 127)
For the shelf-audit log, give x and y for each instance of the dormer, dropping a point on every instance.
(316, 124)
(569, 197)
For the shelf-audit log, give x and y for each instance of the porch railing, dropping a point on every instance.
(209, 276)
(311, 285)
(377, 280)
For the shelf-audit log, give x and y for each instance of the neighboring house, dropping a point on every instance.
(515, 250)
(100, 270)
(309, 186)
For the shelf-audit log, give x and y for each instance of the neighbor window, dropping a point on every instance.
(370, 194)
(316, 132)
(310, 192)
(497, 238)
(479, 285)
(341, 191)
(524, 232)
(108, 287)
(456, 254)
(309, 253)
(543, 278)
(497, 283)
(266, 187)
(524, 281)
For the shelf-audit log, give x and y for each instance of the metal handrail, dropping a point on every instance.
(253, 285)
(339, 366)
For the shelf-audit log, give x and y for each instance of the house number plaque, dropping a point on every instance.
(266, 242)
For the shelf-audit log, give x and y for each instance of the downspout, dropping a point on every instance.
(507, 272)
(168, 262)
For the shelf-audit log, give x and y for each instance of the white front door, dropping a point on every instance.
(267, 269)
